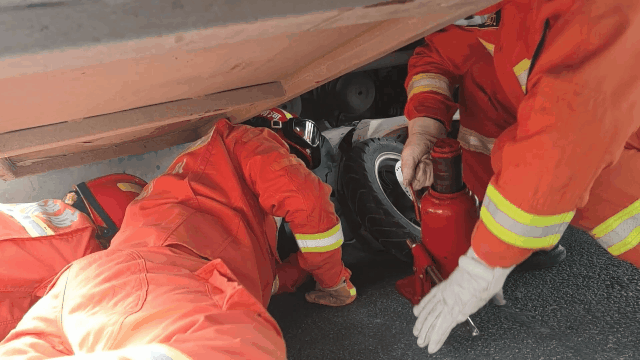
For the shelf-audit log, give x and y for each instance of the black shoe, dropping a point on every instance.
(543, 259)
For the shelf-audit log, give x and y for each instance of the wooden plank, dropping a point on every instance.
(110, 140)
(42, 165)
(124, 122)
(6, 170)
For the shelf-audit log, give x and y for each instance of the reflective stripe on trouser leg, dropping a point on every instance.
(620, 232)
(323, 242)
(519, 228)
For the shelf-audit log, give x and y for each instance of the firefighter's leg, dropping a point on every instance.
(124, 302)
(612, 213)
(39, 335)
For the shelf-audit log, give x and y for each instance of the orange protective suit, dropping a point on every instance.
(191, 271)
(461, 56)
(37, 240)
(572, 156)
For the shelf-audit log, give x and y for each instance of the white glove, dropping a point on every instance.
(417, 168)
(469, 287)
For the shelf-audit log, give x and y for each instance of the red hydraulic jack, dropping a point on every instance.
(449, 212)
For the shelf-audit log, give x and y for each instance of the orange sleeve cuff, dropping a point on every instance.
(431, 105)
(495, 252)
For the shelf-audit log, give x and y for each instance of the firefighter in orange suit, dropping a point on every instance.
(571, 157)
(461, 56)
(192, 269)
(38, 239)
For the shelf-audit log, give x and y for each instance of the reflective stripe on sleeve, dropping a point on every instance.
(522, 73)
(472, 141)
(519, 228)
(621, 232)
(323, 242)
(428, 82)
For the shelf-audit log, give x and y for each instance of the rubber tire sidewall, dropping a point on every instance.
(367, 200)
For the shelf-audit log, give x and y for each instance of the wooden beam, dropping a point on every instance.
(6, 170)
(42, 165)
(121, 123)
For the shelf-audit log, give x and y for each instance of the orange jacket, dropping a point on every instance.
(37, 240)
(565, 115)
(462, 55)
(219, 199)
(576, 110)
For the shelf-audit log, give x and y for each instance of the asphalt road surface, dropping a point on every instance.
(586, 308)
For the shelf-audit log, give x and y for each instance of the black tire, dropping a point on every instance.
(374, 194)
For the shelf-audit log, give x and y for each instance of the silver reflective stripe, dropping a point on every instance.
(518, 228)
(320, 242)
(620, 232)
(278, 221)
(428, 82)
(473, 141)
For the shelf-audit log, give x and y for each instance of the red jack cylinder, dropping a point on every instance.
(449, 211)
(448, 214)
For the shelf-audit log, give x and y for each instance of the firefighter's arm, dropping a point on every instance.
(579, 111)
(287, 189)
(434, 70)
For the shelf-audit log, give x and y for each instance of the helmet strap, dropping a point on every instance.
(105, 234)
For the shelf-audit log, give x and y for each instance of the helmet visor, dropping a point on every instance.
(306, 130)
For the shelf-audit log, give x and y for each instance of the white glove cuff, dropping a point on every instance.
(494, 277)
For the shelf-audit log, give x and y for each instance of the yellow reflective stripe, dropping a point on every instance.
(516, 239)
(130, 187)
(326, 241)
(627, 244)
(522, 72)
(334, 230)
(428, 82)
(352, 291)
(620, 232)
(519, 228)
(614, 221)
(326, 248)
(490, 47)
(523, 217)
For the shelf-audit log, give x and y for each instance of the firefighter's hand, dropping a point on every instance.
(469, 287)
(417, 169)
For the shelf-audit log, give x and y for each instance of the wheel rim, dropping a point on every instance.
(385, 166)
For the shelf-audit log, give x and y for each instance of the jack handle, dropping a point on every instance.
(416, 206)
(435, 275)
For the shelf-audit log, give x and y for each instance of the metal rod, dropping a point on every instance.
(435, 275)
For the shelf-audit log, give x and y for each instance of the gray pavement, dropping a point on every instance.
(586, 308)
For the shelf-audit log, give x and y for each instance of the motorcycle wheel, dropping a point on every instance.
(375, 196)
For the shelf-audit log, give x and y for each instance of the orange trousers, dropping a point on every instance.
(146, 302)
(616, 188)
